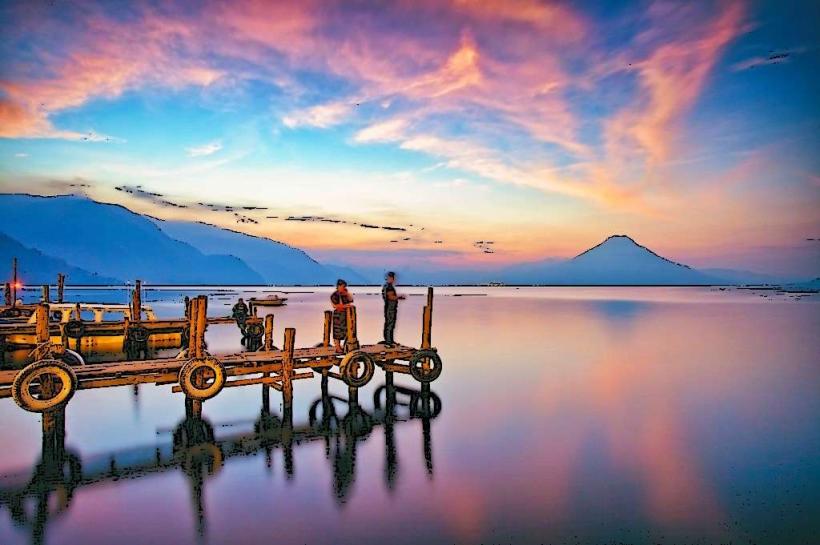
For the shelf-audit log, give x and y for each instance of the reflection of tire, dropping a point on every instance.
(425, 405)
(349, 368)
(74, 329)
(72, 358)
(254, 330)
(417, 367)
(44, 372)
(202, 379)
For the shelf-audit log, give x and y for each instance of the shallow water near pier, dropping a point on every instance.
(563, 415)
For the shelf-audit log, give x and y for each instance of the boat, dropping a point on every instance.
(270, 301)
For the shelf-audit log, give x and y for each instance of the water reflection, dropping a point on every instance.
(40, 495)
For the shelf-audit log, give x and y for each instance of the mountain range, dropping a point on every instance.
(99, 243)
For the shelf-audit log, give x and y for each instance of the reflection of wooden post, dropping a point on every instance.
(287, 366)
(46, 296)
(269, 332)
(136, 302)
(351, 342)
(14, 282)
(60, 287)
(427, 321)
(7, 293)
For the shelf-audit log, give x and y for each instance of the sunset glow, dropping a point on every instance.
(415, 129)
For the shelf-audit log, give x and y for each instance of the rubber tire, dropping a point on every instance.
(415, 367)
(72, 358)
(187, 385)
(254, 330)
(138, 334)
(74, 324)
(364, 359)
(21, 395)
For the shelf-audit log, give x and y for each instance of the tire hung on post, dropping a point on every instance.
(254, 330)
(417, 365)
(349, 366)
(74, 329)
(191, 376)
(138, 334)
(37, 372)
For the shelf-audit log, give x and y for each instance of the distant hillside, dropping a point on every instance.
(36, 268)
(112, 241)
(619, 260)
(275, 262)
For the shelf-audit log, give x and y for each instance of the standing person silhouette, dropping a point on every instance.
(391, 307)
(340, 299)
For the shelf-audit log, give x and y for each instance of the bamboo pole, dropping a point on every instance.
(60, 287)
(269, 332)
(46, 297)
(287, 366)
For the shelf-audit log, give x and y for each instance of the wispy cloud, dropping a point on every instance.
(205, 149)
(321, 115)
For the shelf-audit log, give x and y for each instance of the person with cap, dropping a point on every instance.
(391, 307)
(341, 300)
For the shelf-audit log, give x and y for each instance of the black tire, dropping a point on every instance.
(189, 385)
(417, 365)
(74, 329)
(254, 330)
(349, 366)
(72, 358)
(37, 370)
(138, 334)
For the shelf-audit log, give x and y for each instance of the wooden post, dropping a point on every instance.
(136, 302)
(287, 366)
(193, 307)
(328, 328)
(60, 287)
(41, 327)
(201, 324)
(46, 296)
(7, 294)
(269, 332)
(14, 282)
(427, 321)
(255, 311)
(351, 342)
(77, 314)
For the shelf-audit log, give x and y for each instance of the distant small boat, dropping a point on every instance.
(270, 301)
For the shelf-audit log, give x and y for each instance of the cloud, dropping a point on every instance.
(774, 57)
(21, 155)
(205, 149)
(321, 116)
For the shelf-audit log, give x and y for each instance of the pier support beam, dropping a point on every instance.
(269, 332)
(14, 282)
(136, 302)
(46, 296)
(427, 321)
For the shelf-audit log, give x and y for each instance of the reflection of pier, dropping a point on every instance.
(34, 497)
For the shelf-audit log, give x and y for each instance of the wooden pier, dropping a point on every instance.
(49, 383)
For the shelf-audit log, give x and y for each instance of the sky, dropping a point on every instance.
(420, 131)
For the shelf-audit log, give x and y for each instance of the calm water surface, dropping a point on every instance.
(564, 415)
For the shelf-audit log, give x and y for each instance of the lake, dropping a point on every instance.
(563, 415)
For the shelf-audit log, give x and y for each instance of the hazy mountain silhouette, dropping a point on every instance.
(36, 268)
(276, 262)
(112, 241)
